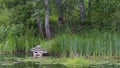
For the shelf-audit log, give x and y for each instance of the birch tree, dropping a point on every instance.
(47, 27)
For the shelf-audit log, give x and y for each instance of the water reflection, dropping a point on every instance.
(32, 65)
(105, 66)
(38, 65)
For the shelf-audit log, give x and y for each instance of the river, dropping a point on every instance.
(16, 62)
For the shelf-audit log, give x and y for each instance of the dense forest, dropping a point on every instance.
(64, 27)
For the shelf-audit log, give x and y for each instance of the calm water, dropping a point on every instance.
(11, 62)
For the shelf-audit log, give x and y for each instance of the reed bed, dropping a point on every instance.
(86, 44)
(19, 43)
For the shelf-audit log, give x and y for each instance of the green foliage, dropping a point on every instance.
(3, 32)
(17, 27)
(18, 30)
(13, 40)
(102, 14)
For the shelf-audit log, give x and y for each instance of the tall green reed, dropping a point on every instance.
(92, 44)
(20, 42)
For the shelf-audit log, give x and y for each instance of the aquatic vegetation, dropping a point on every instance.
(77, 61)
(45, 60)
(64, 61)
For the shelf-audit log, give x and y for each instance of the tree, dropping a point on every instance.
(60, 14)
(82, 11)
(47, 27)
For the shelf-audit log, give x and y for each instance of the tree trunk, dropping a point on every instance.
(47, 27)
(89, 7)
(82, 11)
(60, 14)
(39, 24)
